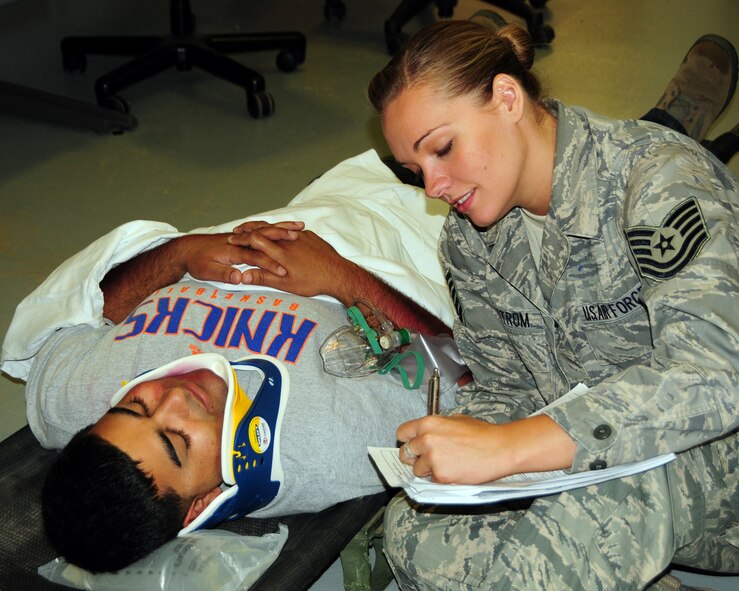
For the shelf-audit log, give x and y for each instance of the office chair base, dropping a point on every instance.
(184, 50)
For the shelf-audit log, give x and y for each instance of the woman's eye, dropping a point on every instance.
(445, 150)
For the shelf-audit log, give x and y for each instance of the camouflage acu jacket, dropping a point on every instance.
(635, 295)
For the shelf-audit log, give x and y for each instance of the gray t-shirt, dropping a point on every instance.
(328, 422)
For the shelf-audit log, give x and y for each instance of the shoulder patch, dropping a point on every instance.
(662, 251)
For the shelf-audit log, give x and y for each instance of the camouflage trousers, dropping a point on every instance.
(621, 534)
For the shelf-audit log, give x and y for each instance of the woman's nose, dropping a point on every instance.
(437, 183)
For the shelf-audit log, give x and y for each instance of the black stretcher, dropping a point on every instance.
(314, 542)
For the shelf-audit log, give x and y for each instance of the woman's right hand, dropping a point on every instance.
(461, 449)
(458, 449)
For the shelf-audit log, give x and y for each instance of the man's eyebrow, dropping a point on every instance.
(168, 447)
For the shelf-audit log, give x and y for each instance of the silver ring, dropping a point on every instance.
(408, 451)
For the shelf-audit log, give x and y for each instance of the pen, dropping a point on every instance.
(433, 401)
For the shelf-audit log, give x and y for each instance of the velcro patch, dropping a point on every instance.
(661, 252)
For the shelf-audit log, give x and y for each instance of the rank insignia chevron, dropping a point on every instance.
(661, 252)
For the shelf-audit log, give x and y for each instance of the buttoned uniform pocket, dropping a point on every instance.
(620, 342)
(526, 332)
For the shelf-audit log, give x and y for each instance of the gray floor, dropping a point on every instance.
(198, 158)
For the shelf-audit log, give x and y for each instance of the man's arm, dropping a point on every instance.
(209, 257)
(313, 267)
(355, 283)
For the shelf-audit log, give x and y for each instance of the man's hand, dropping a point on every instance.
(274, 231)
(313, 267)
(464, 450)
(208, 257)
(211, 257)
(306, 265)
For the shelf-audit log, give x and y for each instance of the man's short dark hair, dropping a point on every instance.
(101, 511)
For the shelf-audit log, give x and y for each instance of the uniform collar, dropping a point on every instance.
(573, 208)
(574, 203)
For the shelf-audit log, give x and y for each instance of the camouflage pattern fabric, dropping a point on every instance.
(634, 296)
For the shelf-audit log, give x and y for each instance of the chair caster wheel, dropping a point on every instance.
(114, 103)
(287, 61)
(74, 61)
(260, 104)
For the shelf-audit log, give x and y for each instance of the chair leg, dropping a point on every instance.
(183, 49)
(224, 67)
(76, 49)
(258, 101)
(291, 45)
(181, 18)
(135, 70)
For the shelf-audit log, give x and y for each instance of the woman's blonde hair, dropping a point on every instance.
(458, 58)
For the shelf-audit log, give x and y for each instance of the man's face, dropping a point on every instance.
(173, 426)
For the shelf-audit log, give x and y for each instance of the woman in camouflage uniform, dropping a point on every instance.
(578, 249)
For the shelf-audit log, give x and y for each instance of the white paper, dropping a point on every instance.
(532, 484)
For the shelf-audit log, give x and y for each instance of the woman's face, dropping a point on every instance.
(471, 156)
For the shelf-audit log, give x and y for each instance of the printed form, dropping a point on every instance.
(532, 484)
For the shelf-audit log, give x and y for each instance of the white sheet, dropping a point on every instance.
(359, 207)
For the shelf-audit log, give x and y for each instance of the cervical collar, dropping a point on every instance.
(250, 441)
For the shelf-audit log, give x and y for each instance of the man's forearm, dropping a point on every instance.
(314, 267)
(125, 286)
(207, 257)
(399, 309)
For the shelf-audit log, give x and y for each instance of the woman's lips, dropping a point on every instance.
(464, 203)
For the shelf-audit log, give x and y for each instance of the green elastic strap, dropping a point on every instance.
(403, 373)
(357, 318)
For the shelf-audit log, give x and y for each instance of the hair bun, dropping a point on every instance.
(521, 42)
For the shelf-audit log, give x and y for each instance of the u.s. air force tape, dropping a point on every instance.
(662, 251)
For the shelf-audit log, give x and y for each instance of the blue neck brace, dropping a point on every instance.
(250, 442)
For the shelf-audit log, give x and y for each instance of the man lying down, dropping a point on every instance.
(236, 414)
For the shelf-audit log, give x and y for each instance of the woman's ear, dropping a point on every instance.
(509, 95)
(198, 505)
